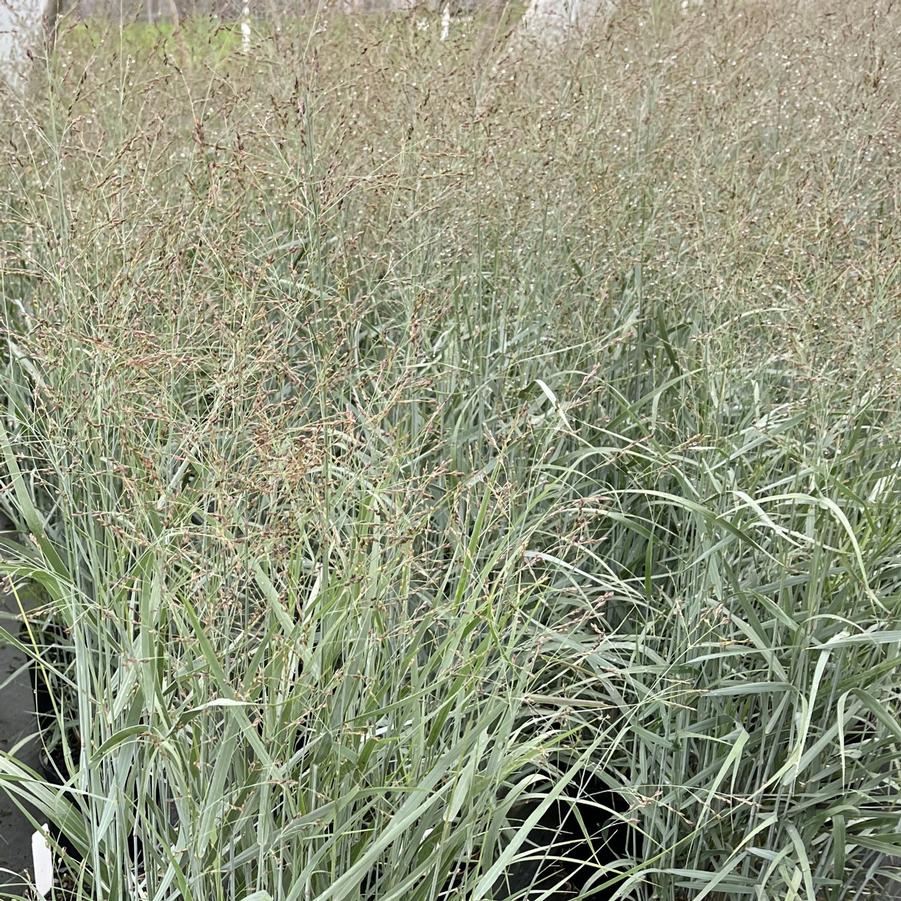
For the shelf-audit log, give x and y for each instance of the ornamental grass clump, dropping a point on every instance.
(407, 452)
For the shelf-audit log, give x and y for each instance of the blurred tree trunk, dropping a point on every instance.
(24, 26)
(550, 21)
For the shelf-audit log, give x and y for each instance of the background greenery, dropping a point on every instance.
(399, 428)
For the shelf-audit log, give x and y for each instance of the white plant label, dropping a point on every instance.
(42, 857)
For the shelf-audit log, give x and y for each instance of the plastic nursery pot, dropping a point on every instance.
(567, 853)
(55, 704)
(578, 844)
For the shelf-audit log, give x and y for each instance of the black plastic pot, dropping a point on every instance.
(52, 702)
(578, 835)
(576, 846)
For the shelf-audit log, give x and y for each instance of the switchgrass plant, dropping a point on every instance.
(400, 434)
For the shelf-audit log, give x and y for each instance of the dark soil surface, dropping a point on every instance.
(17, 721)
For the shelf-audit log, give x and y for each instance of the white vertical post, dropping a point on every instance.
(445, 22)
(245, 27)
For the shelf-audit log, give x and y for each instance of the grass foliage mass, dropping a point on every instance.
(397, 430)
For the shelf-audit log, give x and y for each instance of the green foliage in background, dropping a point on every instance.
(201, 42)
